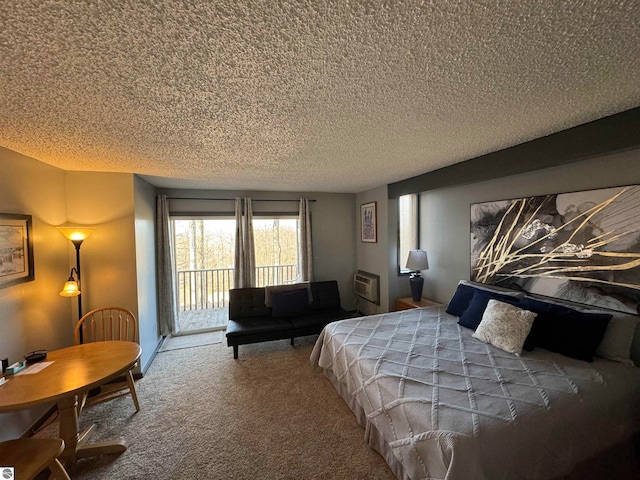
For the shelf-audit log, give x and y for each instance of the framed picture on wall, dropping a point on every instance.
(16, 249)
(579, 246)
(368, 222)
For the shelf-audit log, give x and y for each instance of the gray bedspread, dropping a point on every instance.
(439, 404)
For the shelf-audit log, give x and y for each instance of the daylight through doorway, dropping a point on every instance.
(204, 265)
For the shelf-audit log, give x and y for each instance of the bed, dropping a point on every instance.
(438, 403)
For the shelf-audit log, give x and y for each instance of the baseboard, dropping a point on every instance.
(151, 359)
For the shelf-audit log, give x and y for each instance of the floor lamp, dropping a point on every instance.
(71, 288)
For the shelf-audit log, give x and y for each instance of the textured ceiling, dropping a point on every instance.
(304, 95)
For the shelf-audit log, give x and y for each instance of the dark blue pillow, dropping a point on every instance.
(463, 295)
(472, 316)
(545, 314)
(542, 307)
(289, 303)
(460, 300)
(564, 330)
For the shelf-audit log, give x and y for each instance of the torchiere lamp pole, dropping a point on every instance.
(72, 288)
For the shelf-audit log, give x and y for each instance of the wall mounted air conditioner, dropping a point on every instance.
(366, 286)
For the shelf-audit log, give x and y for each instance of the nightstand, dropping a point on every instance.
(407, 302)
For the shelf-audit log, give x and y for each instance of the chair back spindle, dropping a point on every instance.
(101, 324)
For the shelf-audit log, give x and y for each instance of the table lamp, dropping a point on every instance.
(417, 261)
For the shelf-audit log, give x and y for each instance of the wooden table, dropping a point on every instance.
(407, 302)
(74, 370)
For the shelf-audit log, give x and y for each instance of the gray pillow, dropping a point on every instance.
(617, 340)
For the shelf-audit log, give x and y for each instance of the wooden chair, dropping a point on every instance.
(102, 324)
(30, 456)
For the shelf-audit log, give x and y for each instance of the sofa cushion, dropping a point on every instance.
(247, 303)
(289, 303)
(257, 326)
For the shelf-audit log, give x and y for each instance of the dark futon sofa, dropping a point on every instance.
(293, 312)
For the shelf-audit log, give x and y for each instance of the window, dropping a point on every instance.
(408, 228)
(204, 251)
(276, 249)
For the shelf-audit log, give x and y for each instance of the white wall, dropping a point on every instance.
(33, 315)
(375, 257)
(118, 259)
(145, 210)
(106, 202)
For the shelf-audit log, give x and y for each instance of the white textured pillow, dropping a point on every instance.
(505, 326)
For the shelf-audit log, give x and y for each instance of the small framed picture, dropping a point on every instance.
(16, 249)
(368, 222)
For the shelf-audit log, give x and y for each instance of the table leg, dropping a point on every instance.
(67, 409)
(75, 443)
(100, 448)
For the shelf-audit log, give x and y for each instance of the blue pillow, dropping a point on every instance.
(460, 300)
(472, 316)
(464, 293)
(289, 303)
(564, 330)
(546, 313)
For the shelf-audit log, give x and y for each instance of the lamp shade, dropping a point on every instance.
(76, 233)
(70, 289)
(417, 260)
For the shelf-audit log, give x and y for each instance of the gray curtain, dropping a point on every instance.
(305, 253)
(244, 273)
(167, 309)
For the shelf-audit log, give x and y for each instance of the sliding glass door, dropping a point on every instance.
(204, 250)
(204, 263)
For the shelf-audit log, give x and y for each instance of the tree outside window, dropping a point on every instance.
(205, 250)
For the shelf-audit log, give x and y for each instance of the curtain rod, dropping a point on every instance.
(232, 199)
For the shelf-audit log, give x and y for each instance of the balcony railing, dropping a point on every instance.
(204, 289)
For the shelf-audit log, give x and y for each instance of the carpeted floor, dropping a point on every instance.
(267, 415)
